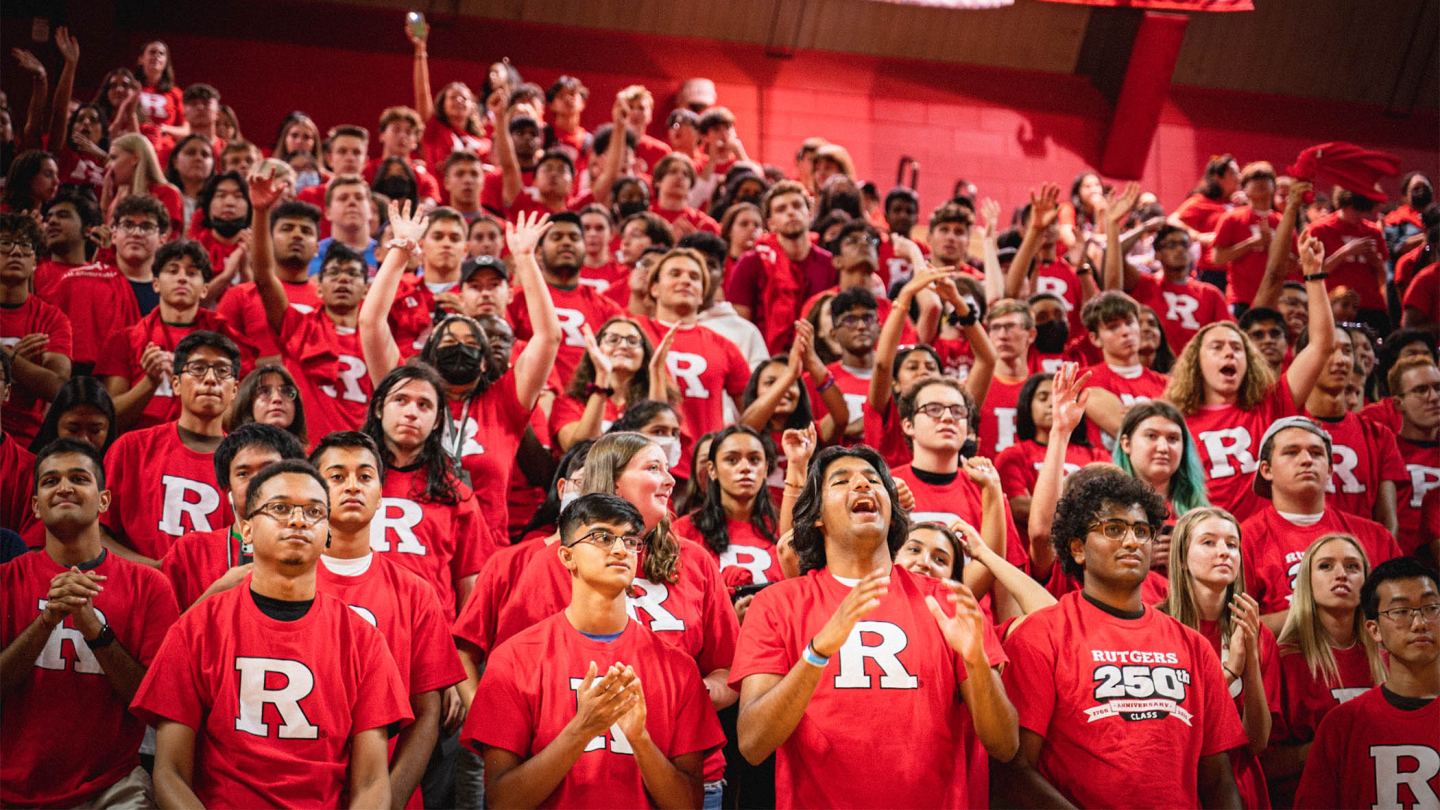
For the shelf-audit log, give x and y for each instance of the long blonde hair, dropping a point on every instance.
(1180, 603)
(604, 464)
(147, 166)
(1186, 390)
(1304, 633)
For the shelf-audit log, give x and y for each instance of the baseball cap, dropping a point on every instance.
(1260, 486)
(473, 266)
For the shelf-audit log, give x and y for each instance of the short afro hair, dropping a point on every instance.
(1083, 502)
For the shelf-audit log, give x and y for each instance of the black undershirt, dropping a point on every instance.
(935, 479)
(282, 610)
(90, 565)
(1129, 615)
(1403, 703)
(145, 296)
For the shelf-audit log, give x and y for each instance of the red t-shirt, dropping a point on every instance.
(856, 390)
(1227, 439)
(1183, 308)
(1153, 589)
(1384, 413)
(575, 307)
(959, 499)
(162, 108)
(1307, 699)
(1422, 463)
(488, 438)
(197, 560)
(1353, 272)
(1406, 265)
(697, 218)
(480, 616)
(604, 277)
(749, 559)
(1059, 278)
(121, 357)
(329, 369)
(568, 410)
(80, 170)
(440, 139)
(816, 273)
(1249, 776)
(1130, 387)
(169, 196)
(147, 514)
(1363, 454)
(1369, 753)
(1274, 546)
(1115, 698)
(99, 301)
(1233, 227)
(648, 152)
(529, 694)
(1019, 468)
(892, 266)
(241, 305)
(24, 411)
(272, 698)
(1202, 214)
(17, 470)
(704, 364)
(66, 696)
(911, 680)
(997, 416)
(47, 273)
(443, 543)
(1423, 294)
(883, 432)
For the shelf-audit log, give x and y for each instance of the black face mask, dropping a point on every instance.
(753, 199)
(1050, 337)
(1421, 198)
(396, 188)
(631, 208)
(459, 364)
(227, 228)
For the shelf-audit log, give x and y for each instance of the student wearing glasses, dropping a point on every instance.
(589, 707)
(1108, 688)
(273, 672)
(269, 395)
(163, 477)
(1381, 749)
(36, 334)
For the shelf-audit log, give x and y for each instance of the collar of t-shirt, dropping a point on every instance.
(857, 372)
(441, 286)
(848, 582)
(14, 306)
(1404, 703)
(90, 565)
(601, 637)
(1129, 615)
(1128, 372)
(347, 568)
(668, 326)
(935, 479)
(1302, 520)
(282, 610)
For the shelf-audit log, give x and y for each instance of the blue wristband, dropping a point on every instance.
(813, 658)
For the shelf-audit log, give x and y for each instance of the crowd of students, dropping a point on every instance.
(653, 475)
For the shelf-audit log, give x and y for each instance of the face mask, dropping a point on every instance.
(396, 188)
(459, 364)
(629, 209)
(1421, 198)
(305, 180)
(671, 446)
(1050, 337)
(567, 499)
(227, 228)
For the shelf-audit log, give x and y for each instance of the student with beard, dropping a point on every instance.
(1267, 331)
(769, 283)
(294, 234)
(1363, 749)
(490, 408)
(36, 334)
(398, 602)
(823, 717)
(855, 314)
(208, 689)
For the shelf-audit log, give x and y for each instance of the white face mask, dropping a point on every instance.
(671, 446)
(567, 498)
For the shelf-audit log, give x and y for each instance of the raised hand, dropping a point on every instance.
(1312, 254)
(404, 225)
(970, 541)
(858, 604)
(28, 62)
(265, 190)
(417, 40)
(153, 363)
(965, 631)
(1119, 203)
(981, 471)
(903, 496)
(906, 249)
(925, 275)
(602, 362)
(1044, 207)
(522, 237)
(798, 446)
(1245, 622)
(68, 46)
(989, 218)
(1068, 397)
(101, 235)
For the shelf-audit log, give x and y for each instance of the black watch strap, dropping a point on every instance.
(105, 639)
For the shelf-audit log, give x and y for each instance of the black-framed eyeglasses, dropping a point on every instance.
(853, 320)
(138, 227)
(21, 248)
(612, 340)
(1274, 333)
(1423, 391)
(605, 539)
(936, 410)
(1405, 616)
(859, 239)
(271, 391)
(281, 512)
(198, 370)
(1172, 243)
(1116, 529)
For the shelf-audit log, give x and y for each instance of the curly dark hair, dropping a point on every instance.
(809, 539)
(1082, 504)
(23, 229)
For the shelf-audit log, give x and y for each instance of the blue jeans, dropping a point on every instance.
(714, 793)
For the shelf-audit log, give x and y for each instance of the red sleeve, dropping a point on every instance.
(476, 622)
(57, 326)
(761, 649)
(743, 289)
(1218, 310)
(721, 624)
(1231, 229)
(563, 411)
(508, 720)
(428, 186)
(1320, 781)
(737, 371)
(1011, 463)
(115, 359)
(516, 417)
(117, 464)
(1392, 465)
(434, 664)
(1031, 678)
(1423, 294)
(380, 697)
(697, 727)
(161, 612)
(173, 688)
(475, 541)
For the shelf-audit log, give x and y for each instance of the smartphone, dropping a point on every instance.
(416, 21)
(750, 590)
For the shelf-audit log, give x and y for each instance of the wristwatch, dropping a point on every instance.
(105, 639)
